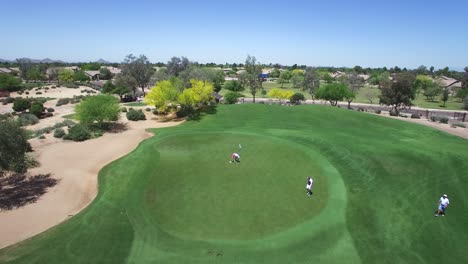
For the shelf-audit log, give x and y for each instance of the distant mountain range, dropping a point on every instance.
(48, 60)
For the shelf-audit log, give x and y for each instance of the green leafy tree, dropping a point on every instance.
(126, 83)
(80, 76)
(177, 65)
(24, 66)
(13, 147)
(297, 98)
(354, 83)
(445, 96)
(163, 96)
(275, 73)
(399, 92)
(105, 73)
(66, 76)
(138, 68)
(9, 83)
(311, 81)
(92, 66)
(234, 86)
(118, 89)
(35, 74)
(98, 109)
(296, 79)
(432, 90)
(251, 77)
(333, 92)
(198, 94)
(280, 94)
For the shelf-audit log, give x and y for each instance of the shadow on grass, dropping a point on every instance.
(206, 110)
(18, 190)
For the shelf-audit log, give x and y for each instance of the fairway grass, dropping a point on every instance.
(176, 199)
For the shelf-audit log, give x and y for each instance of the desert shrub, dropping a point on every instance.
(297, 98)
(155, 112)
(124, 110)
(135, 115)
(231, 97)
(36, 109)
(78, 133)
(21, 104)
(26, 92)
(360, 109)
(63, 101)
(184, 111)
(8, 100)
(46, 88)
(53, 87)
(38, 93)
(48, 114)
(459, 125)
(415, 116)
(5, 116)
(50, 110)
(433, 118)
(41, 137)
(42, 131)
(148, 109)
(70, 85)
(378, 112)
(27, 119)
(59, 133)
(393, 113)
(68, 123)
(443, 120)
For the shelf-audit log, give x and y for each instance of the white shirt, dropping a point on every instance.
(444, 201)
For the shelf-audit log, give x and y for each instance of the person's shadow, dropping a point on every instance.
(18, 190)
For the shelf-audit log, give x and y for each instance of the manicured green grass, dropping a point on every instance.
(176, 199)
(135, 104)
(368, 94)
(70, 116)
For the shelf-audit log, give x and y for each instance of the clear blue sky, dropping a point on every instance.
(318, 33)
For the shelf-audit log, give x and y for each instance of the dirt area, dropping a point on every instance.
(76, 166)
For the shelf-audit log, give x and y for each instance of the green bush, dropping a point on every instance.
(70, 85)
(135, 115)
(41, 137)
(443, 120)
(78, 133)
(27, 119)
(459, 125)
(63, 101)
(231, 97)
(50, 110)
(36, 109)
(393, 113)
(147, 109)
(124, 110)
(21, 104)
(297, 98)
(59, 133)
(378, 112)
(415, 116)
(8, 100)
(234, 86)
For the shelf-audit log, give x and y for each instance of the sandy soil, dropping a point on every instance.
(76, 165)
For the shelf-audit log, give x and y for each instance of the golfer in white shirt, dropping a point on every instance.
(443, 204)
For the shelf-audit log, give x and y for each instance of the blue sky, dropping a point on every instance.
(317, 33)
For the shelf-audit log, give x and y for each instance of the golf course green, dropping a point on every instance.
(178, 199)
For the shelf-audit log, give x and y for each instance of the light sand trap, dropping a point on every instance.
(60, 92)
(76, 165)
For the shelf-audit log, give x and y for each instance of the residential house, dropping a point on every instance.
(113, 70)
(93, 75)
